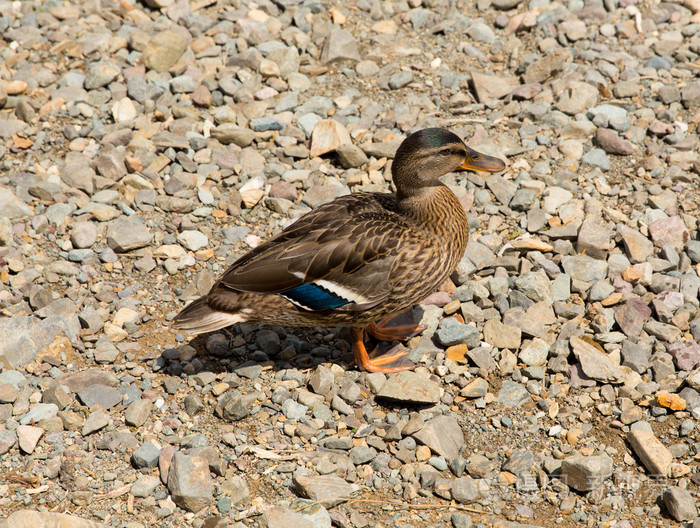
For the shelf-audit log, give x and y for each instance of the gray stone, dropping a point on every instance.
(367, 68)
(480, 32)
(512, 394)
(231, 407)
(24, 337)
(410, 387)
(323, 194)
(294, 410)
(595, 364)
(400, 79)
(340, 45)
(578, 98)
(451, 332)
(503, 189)
(593, 239)
(145, 486)
(479, 255)
(586, 473)
(189, 482)
(653, 454)
(95, 422)
(524, 200)
(193, 240)
(665, 332)
(8, 439)
(459, 519)
(597, 158)
(183, 84)
(693, 250)
(635, 356)
(638, 247)
(536, 286)
(322, 380)
(236, 488)
(535, 354)
(362, 454)
(263, 124)
(99, 394)
(351, 156)
(679, 502)
(502, 335)
(690, 95)
(442, 435)
(105, 351)
(127, 234)
(12, 206)
(691, 397)
(138, 412)
(600, 290)
(57, 213)
(584, 268)
(384, 149)
(465, 490)
(146, 456)
(165, 139)
(83, 234)
(101, 74)
(164, 50)
(419, 17)
(338, 404)
(551, 63)
(328, 489)
(41, 411)
(282, 517)
(36, 519)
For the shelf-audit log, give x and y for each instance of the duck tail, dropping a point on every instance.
(198, 317)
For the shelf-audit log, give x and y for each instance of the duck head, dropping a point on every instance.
(427, 155)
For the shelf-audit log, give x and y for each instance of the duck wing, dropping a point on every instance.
(339, 257)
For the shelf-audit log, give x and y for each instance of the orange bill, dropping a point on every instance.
(481, 162)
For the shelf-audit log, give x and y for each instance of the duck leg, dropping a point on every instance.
(400, 327)
(395, 361)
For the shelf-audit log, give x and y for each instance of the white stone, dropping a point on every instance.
(123, 110)
(555, 198)
(193, 240)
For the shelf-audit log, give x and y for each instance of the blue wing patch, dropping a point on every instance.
(313, 297)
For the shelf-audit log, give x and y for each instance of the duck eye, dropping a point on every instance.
(445, 152)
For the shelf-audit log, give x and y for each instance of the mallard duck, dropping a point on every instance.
(357, 260)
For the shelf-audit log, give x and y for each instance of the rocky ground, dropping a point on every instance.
(147, 145)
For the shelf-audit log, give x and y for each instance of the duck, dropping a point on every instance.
(362, 260)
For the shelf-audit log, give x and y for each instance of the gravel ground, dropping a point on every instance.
(145, 146)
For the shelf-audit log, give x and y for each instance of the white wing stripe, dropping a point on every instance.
(342, 291)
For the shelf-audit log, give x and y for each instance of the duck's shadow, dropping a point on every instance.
(236, 348)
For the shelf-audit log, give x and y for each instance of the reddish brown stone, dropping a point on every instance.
(686, 353)
(631, 316)
(669, 231)
(611, 143)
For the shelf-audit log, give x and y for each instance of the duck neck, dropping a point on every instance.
(436, 209)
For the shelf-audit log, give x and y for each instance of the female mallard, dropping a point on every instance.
(358, 259)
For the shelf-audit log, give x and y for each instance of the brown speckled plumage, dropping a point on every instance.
(379, 252)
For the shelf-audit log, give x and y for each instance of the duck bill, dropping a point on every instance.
(481, 162)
